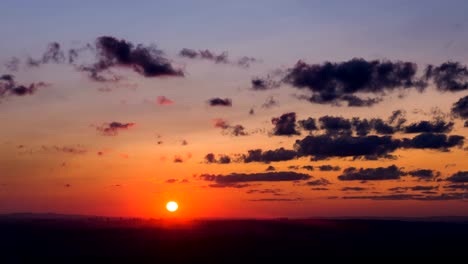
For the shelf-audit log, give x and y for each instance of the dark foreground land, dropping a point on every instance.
(216, 241)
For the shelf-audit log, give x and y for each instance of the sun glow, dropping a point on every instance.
(172, 206)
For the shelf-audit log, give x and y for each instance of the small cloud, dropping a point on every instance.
(162, 100)
(220, 102)
(113, 128)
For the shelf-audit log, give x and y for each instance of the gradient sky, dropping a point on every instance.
(60, 152)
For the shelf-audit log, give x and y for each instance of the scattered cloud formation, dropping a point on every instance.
(371, 174)
(220, 102)
(461, 176)
(228, 129)
(222, 159)
(326, 146)
(113, 128)
(285, 125)
(9, 87)
(449, 76)
(424, 174)
(332, 83)
(318, 182)
(353, 189)
(258, 155)
(460, 108)
(419, 197)
(53, 54)
(222, 58)
(438, 126)
(329, 168)
(255, 177)
(148, 61)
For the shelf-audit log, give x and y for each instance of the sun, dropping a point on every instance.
(172, 206)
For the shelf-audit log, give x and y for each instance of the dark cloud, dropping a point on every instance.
(438, 126)
(424, 174)
(276, 192)
(449, 76)
(361, 126)
(414, 188)
(329, 168)
(205, 54)
(318, 182)
(258, 155)
(457, 186)
(222, 159)
(433, 141)
(354, 189)
(460, 108)
(382, 128)
(220, 102)
(255, 177)
(229, 185)
(371, 174)
(270, 168)
(387, 197)
(461, 176)
(326, 146)
(308, 124)
(397, 118)
(113, 128)
(331, 83)
(285, 125)
(210, 158)
(419, 197)
(277, 200)
(221, 58)
(148, 61)
(9, 87)
(266, 83)
(308, 167)
(335, 125)
(319, 189)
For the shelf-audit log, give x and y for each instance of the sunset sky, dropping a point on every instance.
(234, 108)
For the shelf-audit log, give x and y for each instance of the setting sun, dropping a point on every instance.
(172, 206)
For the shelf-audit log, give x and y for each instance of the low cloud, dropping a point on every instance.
(461, 176)
(285, 125)
(113, 128)
(222, 58)
(371, 174)
(9, 87)
(258, 155)
(228, 129)
(460, 108)
(255, 177)
(318, 182)
(220, 102)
